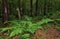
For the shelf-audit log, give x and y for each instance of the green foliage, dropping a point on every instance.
(30, 24)
(1, 38)
(25, 36)
(15, 32)
(50, 4)
(26, 25)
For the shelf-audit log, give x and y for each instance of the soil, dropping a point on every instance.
(4, 25)
(50, 33)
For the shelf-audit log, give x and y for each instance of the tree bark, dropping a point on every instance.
(36, 7)
(19, 9)
(45, 8)
(31, 7)
(4, 10)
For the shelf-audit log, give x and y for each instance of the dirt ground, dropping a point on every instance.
(50, 33)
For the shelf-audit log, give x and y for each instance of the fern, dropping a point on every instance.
(25, 36)
(18, 27)
(16, 32)
(34, 26)
(1, 38)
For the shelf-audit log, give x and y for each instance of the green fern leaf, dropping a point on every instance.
(15, 32)
(44, 21)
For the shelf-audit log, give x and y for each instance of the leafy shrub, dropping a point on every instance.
(26, 25)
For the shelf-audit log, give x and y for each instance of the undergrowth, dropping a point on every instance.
(25, 28)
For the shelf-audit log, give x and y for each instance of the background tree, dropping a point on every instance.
(19, 9)
(31, 7)
(45, 7)
(37, 7)
(5, 10)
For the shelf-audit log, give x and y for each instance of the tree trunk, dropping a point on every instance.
(31, 7)
(24, 7)
(36, 7)
(4, 11)
(45, 8)
(19, 9)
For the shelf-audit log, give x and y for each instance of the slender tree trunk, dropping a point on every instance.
(19, 9)
(4, 10)
(24, 7)
(31, 7)
(50, 5)
(45, 8)
(36, 7)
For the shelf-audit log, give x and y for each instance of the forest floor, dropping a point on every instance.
(50, 33)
